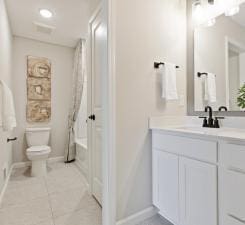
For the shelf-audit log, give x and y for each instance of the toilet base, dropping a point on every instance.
(38, 168)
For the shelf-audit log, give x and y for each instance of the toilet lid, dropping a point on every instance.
(38, 148)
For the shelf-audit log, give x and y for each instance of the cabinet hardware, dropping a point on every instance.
(236, 218)
(237, 170)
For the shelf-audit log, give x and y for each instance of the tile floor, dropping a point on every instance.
(61, 198)
(156, 220)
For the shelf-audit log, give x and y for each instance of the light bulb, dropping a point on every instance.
(46, 13)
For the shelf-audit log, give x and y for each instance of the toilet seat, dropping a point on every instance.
(43, 149)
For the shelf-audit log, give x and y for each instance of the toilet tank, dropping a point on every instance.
(37, 136)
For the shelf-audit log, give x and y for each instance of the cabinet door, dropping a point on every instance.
(198, 193)
(165, 184)
(232, 195)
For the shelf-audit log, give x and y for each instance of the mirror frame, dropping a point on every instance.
(190, 71)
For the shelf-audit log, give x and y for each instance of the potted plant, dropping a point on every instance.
(241, 97)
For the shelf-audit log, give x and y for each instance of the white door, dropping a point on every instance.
(166, 184)
(96, 106)
(198, 193)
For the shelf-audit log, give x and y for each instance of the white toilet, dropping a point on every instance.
(38, 151)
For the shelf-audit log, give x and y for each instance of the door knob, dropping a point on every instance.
(92, 117)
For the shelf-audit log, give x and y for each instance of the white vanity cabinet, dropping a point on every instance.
(165, 184)
(198, 192)
(232, 184)
(185, 179)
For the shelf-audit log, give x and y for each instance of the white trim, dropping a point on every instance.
(56, 159)
(19, 165)
(229, 40)
(28, 163)
(227, 80)
(5, 184)
(108, 104)
(139, 217)
(109, 117)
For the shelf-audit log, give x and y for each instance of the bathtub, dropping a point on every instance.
(82, 155)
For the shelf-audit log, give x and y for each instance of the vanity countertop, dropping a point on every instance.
(181, 127)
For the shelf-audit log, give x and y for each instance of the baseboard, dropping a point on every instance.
(28, 163)
(19, 165)
(139, 217)
(5, 184)
(56, 159)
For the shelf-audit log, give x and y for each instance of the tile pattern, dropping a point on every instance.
(60, 198)
(156, 220)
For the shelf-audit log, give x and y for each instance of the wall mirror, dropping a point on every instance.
(216, 55)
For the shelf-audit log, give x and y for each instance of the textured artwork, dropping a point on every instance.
(38, 67)
(38, 111)
(38, 89)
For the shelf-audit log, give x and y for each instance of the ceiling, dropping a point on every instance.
(70, 20)
(240, 17)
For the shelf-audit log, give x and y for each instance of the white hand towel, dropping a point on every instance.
(7, 108)
(169, 86)
(210, 88)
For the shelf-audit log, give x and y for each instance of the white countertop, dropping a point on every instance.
(192, 127)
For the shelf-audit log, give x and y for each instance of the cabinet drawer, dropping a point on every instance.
(232, 221)
(232, 155)
(194, 148)
(233, 186)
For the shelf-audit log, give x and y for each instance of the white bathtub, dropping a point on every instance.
(82, 155)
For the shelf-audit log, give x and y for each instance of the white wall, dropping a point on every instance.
(61, 79)
(145, 31)
(6, 76)
(93, 5)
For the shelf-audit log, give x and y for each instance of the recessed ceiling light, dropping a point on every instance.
(46, 13)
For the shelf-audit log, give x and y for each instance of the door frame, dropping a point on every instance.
(228, 41)
(108, 115)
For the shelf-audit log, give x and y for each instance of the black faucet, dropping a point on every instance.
(210, 116)
(210, 122)
(221, 108)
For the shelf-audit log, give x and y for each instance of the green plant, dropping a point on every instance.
(241, 97)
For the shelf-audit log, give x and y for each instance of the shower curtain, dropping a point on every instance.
(79, 70)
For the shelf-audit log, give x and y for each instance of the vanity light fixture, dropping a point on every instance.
(232, 11)
(46, 13)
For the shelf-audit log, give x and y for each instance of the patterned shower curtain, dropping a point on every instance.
(79, 70)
